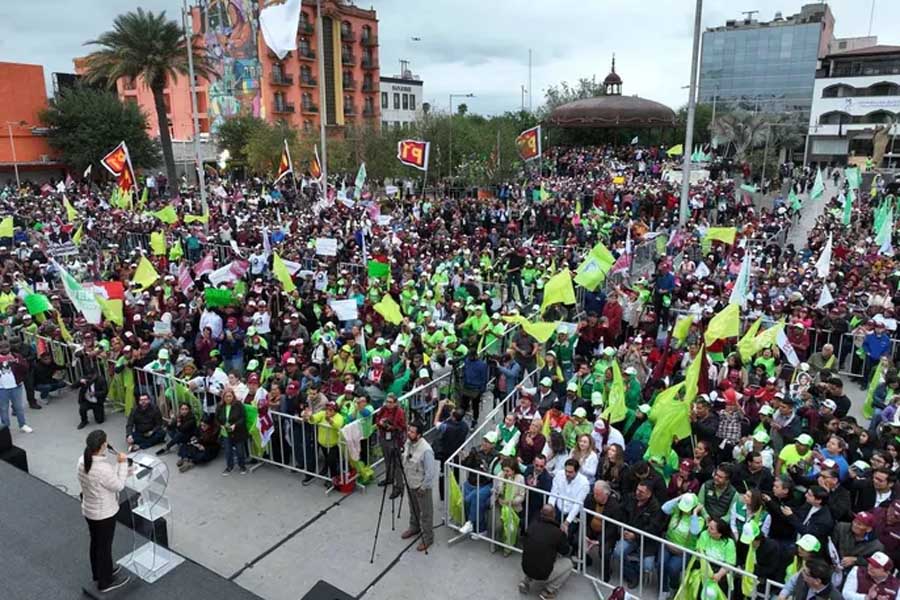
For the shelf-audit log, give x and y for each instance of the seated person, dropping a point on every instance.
(202, 447)
(145, 425)
(180, 428)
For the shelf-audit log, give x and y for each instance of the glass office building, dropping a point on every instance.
(769, 67)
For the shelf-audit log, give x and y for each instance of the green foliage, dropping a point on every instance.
(147, 47)
(264, 145)
(86, 123)
(702, 123)
(234, 135)
(557, 95)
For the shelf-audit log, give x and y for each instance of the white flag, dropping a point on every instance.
(278, 22)
(267, 244)
(787, 348)
(702, 271)
(87, 172)
(742, 284)
(824, 298)
(83, 299)
(823, 265)
(360, 181)
(885, 233)
(634, 140)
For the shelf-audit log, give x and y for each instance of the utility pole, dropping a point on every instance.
(530, 87)
(323, 109)
(522, 89)
(692, 108)
(192, 82)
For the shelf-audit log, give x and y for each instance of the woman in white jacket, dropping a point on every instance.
(101, 482)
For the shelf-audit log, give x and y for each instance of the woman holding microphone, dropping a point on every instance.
(101, 481)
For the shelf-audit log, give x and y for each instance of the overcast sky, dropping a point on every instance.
(479, 46)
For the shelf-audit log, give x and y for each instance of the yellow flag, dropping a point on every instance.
(671, 418)
(682, 327)
(63, 330)
(196, 218)
(768, 338)
(79, 233)
(158, 243)
(176, 251)
(692, 377)
(390, 310)
(167, 215)
(723, 234)
(558, 289)
(71, 213)
(616, 410)
(6, 227)
(280, 270)
(145, 275)
(747, 346)
(726, 324)
(112, 310)
(143, 201)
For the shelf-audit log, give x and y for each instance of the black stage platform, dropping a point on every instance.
(44, 554)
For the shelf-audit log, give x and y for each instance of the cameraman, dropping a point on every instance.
(391, 424)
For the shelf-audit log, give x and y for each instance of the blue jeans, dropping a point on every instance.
(673, 565)
(146, 440)
(477, 501)
(46, 388)
(16, 397)
(233, 450)
(626, 552)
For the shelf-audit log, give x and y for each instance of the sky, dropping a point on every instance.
(480, 46)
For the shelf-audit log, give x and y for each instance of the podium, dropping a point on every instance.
(147, 486)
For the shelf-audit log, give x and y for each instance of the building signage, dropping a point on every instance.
(869, 104)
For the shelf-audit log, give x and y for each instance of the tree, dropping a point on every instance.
(557, 95)
(702, 123)
(742, 130)
(234, 134)
(264, 146)
(86, 123)
(146, 46)
(462, 109)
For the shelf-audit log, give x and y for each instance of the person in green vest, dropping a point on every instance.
(638, 427)
(380, 349)
(576, 426)
(564, 348)
(633, 395)
(604, 363)
(493, 335)
(767, 361)
(408, 296)
(685, 525)
(477, 324)
(345, 401)
(529, 273)
(717, 543)
(584, 382)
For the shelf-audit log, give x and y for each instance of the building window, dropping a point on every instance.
(396, 101)
(398, 124)
(304, 46)
(384, 124)
(305, 73)
(367, 81)
(307, 100)
(368, 105)
(384, 100)
(366, 33)
(412, 102)
(405, 101)
(842, 45)
(307, 125)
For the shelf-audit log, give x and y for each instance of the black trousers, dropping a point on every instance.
(102, 533)
(96, 407)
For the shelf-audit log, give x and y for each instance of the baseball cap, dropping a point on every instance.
(253, 378)
(687, 502)
(163, 354)
(810, 543)
(645, 408)
(805, 439)
(293, 387)
(349, 387)
(630, 371)
(762, 437)
(767, 410)
(609, 351)
(546, 382)
(580, 412)
(830, 404)
(424, 373)
(596, 398)
(491, 436)
(865, 518)
(572, 387)
(749, 532)
(881, 560)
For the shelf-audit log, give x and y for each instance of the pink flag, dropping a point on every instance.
(239, 267)
(69, 181)
(184, 279)
(46, 189)
(622, 264)
(204, 266)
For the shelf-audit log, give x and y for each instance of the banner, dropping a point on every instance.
(360, 182)
(414, 153)
(117, 159)
(528, 143)
(278, 22)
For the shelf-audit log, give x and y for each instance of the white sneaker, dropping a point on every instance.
(467, 528)
(26, 429)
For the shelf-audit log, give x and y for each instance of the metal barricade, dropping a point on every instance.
(357, 271)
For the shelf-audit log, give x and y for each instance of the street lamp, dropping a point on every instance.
(12, 144)
(450, 145)
(689, 133)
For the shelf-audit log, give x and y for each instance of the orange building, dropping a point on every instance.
(248, 79)
(24, 143)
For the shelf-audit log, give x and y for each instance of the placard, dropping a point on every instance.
(346, 310)
(326, 246)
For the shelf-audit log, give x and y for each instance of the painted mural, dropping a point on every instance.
(230, 30)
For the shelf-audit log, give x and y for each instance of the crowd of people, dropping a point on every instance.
(238, 344)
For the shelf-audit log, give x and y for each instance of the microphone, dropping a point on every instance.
(110, 449)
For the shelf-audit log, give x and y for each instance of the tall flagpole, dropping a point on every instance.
(291, 165)
(201, 176)
(689, 133)
(323, 109)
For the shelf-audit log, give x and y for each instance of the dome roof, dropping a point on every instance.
(612, 111)
(612, 79)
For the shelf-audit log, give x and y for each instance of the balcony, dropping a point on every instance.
(308, 81)
(283, 108)
(307, 54)
(306, 28)
(309, 108)
(349, 84)
(368, 87)
(349, 110)
(347, 58)
(369, 64)
(347, 35)
(281, 79)
(370, 41)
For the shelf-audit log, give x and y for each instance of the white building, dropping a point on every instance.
(855, 92)
(401, 98)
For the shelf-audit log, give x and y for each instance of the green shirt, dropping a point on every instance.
(722, 550)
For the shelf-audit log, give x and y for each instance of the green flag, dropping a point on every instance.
(280, 270)
(681, 328)
(726, 324)
(794, 201)
(818, 187)
(848, 208)
(746, 346)
(616, 409)
(389, 309)
(868, 408)
(592, 271)
(216, 297)
(37, 303)
(671, 418)
(853, 177)
(166, 215)
(558, 290)
(360, 181)
(379, 270)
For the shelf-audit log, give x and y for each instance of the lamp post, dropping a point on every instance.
(192, 82)
(692, 106)
(450, 145)
(12, 145)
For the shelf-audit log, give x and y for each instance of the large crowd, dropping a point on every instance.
(223, 352)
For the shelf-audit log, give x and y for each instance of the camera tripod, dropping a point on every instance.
(394, 466)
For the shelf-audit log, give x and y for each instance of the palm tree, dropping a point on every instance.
(147, 46)
(744, 130)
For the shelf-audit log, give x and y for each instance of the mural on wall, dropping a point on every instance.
(230, 32)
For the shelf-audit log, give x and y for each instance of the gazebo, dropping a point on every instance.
(612, 110)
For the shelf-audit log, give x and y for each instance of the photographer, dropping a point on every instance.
(92, 391)
(391, 424)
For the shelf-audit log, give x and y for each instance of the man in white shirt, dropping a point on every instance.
(211, 319)
(568, 492)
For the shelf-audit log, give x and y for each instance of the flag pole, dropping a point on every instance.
(323, 109)
(201, 175)
(291, 165)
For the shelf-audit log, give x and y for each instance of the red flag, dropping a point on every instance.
(315, 169)
(285, 166)
(414, 153)
(116, 161)
(622, 264)
(111, 290)
(125, 180)
(239, 267)
(528, 143)
(204, 266)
